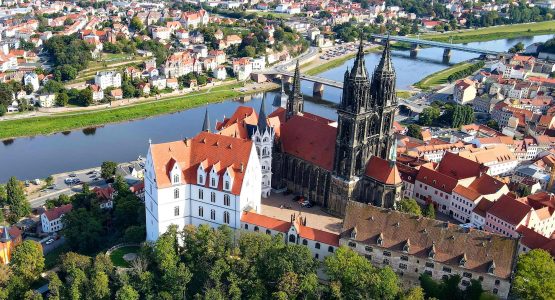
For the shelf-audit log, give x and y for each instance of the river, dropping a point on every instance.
(40, 156)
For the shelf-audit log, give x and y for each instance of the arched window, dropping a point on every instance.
(268, 231)
(200, 179)
(212, 214)
(291, 238)
(330, 249)
(200, 194)
(226, 200)
(317, 246)
(213, 197)
(176, 178)
(264, 151)
(176, 211)
(305, 242)
(176, 193)
(200, 211)
(256, 228)
(226, 218)
(246, 226)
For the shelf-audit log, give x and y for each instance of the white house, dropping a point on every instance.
(220, 73)
(209, 179)
(47, 100)
(31, 79)
(106, 79)
(51, 219)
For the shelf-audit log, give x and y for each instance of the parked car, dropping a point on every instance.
(76, 181)
(72, 175)
(50, 241)
(68, 180)
(27, 183)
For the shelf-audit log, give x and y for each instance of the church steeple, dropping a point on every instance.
(262, 122)
(359, 67)
(206, 123)
(295, 102)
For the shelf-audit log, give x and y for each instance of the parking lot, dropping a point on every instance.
(282, 207)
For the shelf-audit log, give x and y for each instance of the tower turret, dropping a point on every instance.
(206, 123)
(295, 103)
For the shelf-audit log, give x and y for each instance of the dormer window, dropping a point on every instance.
(491, 268)
(176, 178)
(462, 262)
(200, 179)
(226, 185)
(380, 240)
(432, 253)
(406, 247)
(213, 182)
(354, 233)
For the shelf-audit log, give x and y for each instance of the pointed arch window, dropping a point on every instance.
(227, 201)
(226, 217)
(212, 197)
(176, 193)
(212, 214)
(200, 211)
(176, 178)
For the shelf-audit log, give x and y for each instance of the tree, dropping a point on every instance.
(430, 211)
(108, 170)
(379, 19)
(3, 109)
(99, 286)
(86, 96)
(357, 279)
(127, 293)
(493, 124)
(16, 198)
(27, 260)
(517, 48)
(62, 99)
(248, 51)
(534, 276)
(49, 180)
(82, 230)
(55, 286)
(409, 205)
(136, 24)
(415, 293)
(414, 131)
(428, 116)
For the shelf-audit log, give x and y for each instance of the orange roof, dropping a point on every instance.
(382, 171)
(265, 221)
(213, 150)
(509, 210)
(318, 235)
(311, 138)
(458, 167)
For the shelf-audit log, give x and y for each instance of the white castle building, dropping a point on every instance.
(209, 179)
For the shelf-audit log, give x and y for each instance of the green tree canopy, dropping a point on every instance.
(27, 260)
(409, 205)
(534, 276)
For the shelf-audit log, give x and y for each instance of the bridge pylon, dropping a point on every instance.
(414, 50)
(318, 89)
(446, 55)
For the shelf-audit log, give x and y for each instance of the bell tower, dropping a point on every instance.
(295, 102)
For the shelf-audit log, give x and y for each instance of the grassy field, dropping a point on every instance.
(494, 33)
(403, 94)
(69, 121)
(334, 63)
(117, 255)
(441, 76)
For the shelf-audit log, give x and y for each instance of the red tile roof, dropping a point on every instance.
(56, 212)
(213, 150)
(509, 210)
(311, 138)
(482, 208)
(382, 171)
(265, 221)
(458, 167)
(319, 235)
(436, 179)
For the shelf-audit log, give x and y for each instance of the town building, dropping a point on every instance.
(413, 245)
(106, 79)
(51, 219)
(209, 179)
(10, 237)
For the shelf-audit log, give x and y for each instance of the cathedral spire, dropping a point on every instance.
(206, 123)
(359, 67)
(295, 102)
(385, 65)
(262, 122)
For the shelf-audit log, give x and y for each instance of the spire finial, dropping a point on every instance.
(262, 122)
(295, 101)
(206, 124)
(359, 67)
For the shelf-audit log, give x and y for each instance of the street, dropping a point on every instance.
(60, 187)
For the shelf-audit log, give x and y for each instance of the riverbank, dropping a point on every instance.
(441, 76)
(493, 33)
(319, 66)
(65, 122)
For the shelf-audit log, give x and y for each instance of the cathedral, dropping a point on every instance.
(332, 162)
(329, 162)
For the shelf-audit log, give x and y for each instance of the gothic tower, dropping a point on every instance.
(352, 147)
(263, 138)
(383, 96)
(295, 101)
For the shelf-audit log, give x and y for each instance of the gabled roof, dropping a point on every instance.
(450, 242)
(458, 167)
(509, 210)
(206, 147)
(436, 179)
(56, 212)
(265, 221)
(383, 171)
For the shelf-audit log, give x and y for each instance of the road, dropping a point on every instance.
(60, 187)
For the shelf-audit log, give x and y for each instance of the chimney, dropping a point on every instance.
(242, 168)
